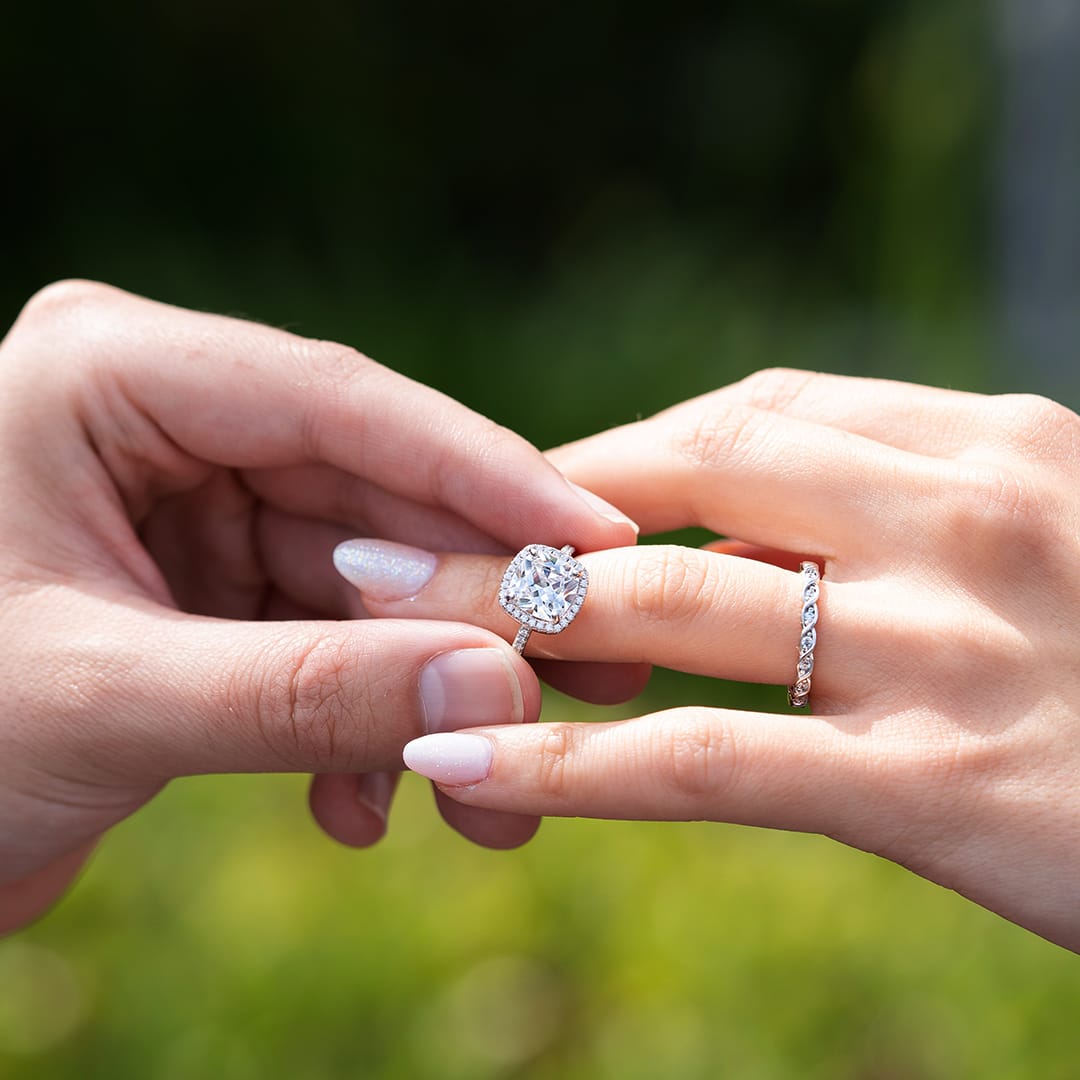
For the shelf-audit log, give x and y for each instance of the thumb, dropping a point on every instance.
(210, 695)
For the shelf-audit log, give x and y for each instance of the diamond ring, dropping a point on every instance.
(543, 588)
(799, 691)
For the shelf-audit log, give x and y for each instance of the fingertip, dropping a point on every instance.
(500, 830)
(595, 682)
(384, 570)
(351, 808)
(452, 759)
(611, 514)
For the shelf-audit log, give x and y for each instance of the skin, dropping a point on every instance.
(155, 466)
(944, 728)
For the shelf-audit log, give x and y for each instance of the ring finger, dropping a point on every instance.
(696, 611)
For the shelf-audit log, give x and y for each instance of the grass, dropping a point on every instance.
(220, 934)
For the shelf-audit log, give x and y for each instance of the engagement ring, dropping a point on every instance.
(543, 589)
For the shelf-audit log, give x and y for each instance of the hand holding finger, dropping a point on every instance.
(136, 581)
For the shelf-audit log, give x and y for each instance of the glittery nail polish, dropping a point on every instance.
(453, 759)
(383, 570)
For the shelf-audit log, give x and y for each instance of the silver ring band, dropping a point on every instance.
(799, 691)
(543, 589)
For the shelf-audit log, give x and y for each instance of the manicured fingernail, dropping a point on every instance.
(450, 758)
(603, 507)
(468, 688)
(384, 570)
(374, 792)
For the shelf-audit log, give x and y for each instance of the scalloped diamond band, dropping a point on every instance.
(543, 589)
(799, 692)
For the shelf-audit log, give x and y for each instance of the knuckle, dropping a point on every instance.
(672, 584)
(66, 326)
(62, 298)
(986, 657)
(556, 746)
(993, 499)
(337, 376)
(696, 754)
(340, 365)
(719, 434)
(1038, 427)
(776, 389)
(301, 710)
(480, 594)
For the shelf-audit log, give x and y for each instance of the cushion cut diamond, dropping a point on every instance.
(544, 588)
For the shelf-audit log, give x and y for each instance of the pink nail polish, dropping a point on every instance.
(470, 687)
(383, 570)
(450, 758)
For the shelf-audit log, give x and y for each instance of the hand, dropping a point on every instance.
(172, 485)
(945, 726)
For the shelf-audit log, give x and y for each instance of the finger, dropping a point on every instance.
(786, 560)
(683, 608)
(194, 695)
(922, 419)
(297, 555)
(769, 479)
(785, 772)
(280, 608)
(27, 898)
(595, 682)
(353, 808)
(498, 829)
(329, 494)
(243, 395)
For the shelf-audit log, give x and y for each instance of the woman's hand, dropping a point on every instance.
(172, 485)
(945, 710)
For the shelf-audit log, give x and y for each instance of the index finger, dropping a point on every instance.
(243, 395)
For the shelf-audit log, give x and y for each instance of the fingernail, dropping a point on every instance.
(384, 570)
(468, 688)
(450, 758)
(603, 507)
(374, 792)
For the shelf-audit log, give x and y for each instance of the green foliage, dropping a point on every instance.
(219, 934)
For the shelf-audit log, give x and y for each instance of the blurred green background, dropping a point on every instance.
(647, 202)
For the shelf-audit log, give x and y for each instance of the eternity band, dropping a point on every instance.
(799, 692)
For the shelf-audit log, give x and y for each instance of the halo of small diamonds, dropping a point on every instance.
(543, 588)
